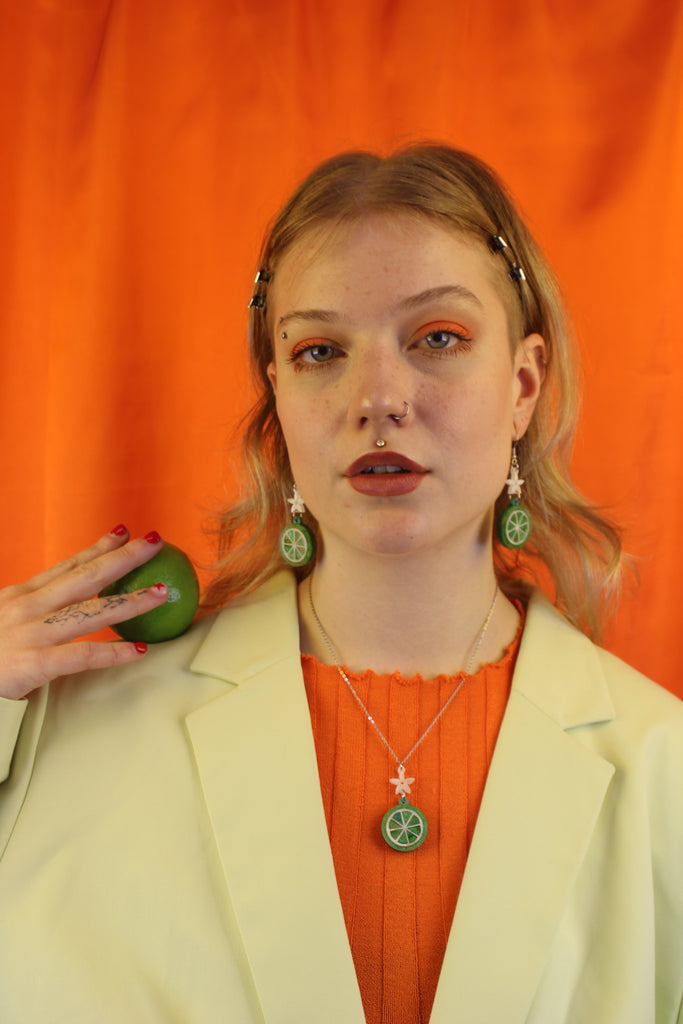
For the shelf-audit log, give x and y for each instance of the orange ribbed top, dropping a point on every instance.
(398, 906)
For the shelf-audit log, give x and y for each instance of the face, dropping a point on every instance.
(381, 315)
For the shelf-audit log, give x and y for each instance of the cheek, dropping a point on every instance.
(299, 431)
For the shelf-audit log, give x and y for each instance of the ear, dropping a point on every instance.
(529, 373)
(272, 377)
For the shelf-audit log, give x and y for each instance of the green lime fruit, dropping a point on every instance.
(172, 567)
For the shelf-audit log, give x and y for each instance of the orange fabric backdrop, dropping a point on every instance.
(147, 142)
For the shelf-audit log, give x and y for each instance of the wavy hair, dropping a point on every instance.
(575, 551)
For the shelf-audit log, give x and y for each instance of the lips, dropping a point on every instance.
(385, 474)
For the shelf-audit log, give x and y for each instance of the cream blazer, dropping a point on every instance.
(165, 857)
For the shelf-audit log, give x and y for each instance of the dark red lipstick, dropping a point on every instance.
(384, 474)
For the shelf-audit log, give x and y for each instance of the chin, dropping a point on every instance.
(395, 538)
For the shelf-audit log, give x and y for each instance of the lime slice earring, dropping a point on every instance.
(513, 528)
(297, 543)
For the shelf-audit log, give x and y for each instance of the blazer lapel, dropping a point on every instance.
(256, 758)
(540, 806)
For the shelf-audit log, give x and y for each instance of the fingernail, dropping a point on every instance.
(152, 537)
(119, 530)
(141, 648)
(159, 587)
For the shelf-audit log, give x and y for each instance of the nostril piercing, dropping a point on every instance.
(402, 415)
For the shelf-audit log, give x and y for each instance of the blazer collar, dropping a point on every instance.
(541, 803)
(256, 759)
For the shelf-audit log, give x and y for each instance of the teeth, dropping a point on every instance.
(384, 469)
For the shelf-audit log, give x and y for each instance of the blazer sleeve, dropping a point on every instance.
(11, 716)
(21, 722)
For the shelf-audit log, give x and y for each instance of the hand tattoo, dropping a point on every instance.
(76, 613)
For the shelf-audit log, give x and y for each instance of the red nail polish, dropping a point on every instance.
(119, 530)
(152, 537)
(141, 648)
(159, 587)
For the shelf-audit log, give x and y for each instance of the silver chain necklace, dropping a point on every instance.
(404, 827)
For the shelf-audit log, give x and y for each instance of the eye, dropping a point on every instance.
(440, 337)
(308, 354)
(318, 353)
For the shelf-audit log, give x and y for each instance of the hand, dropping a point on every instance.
(40, 618)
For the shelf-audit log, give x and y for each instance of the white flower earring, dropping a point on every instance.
(297, 543)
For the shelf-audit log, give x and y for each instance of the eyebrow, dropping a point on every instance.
(405, 305)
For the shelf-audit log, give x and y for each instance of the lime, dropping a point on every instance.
(171, 566)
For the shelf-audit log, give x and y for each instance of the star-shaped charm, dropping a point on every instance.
(296, 503)
(402, 783)
(514, 484)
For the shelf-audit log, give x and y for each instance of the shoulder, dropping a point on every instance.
(174, 678)
(141, 709)
(598, 697)
(552, 646)
(221, 647)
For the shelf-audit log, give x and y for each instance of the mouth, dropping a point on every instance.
(372, 470)
(385, 474)
(382, 463)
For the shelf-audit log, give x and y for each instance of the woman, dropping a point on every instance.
(273, 817)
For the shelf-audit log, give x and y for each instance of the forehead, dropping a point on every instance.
(380, 259)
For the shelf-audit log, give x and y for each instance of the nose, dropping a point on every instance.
(381, 394)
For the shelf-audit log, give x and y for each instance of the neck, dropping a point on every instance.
(404, 614)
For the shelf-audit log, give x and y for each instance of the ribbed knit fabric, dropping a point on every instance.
(399, 906)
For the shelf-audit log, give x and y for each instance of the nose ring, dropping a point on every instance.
(403, 415)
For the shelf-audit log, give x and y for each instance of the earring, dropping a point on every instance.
(513, 527)
(297, 543)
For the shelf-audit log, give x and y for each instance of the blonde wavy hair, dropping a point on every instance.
(574, 552)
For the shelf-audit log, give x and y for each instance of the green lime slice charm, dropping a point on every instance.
(404, 828)
(297, 543)
(514, 525)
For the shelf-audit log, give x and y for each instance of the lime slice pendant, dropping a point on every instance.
(404, 827)
(297, 543)
(514, 525)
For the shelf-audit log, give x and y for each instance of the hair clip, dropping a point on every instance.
(498, 244)
(258, 301)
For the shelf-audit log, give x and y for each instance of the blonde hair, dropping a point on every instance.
(574, 551)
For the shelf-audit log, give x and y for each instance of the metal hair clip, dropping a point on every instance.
(259, 300)
(498, 244)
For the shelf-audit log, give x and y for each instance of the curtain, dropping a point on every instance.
(145, 145)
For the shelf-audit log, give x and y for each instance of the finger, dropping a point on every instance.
(42, 667)
(86, 617)
(116, 537)
(87, 578)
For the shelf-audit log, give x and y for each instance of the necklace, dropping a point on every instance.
(404, 827)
